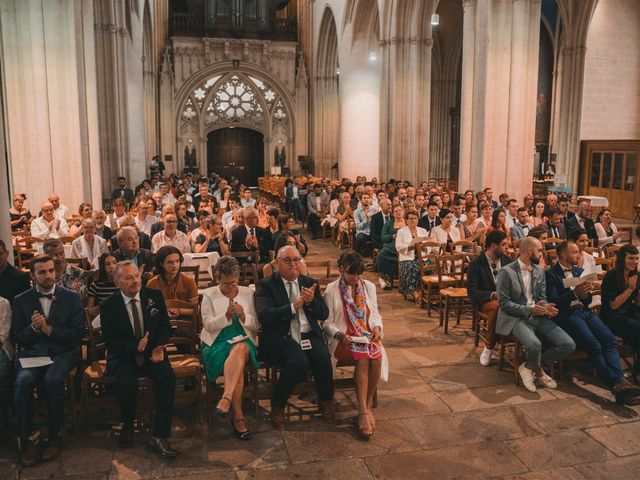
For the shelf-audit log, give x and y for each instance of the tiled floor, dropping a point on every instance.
(441, 415)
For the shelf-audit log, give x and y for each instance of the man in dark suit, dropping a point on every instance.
(129, 244)
(378, 220)
(289, 307)
(317, 208)
(563, 206)
(251, 238)
(136, 329)
(582, 219)
(47, 322)
(123, 192)
(482, 275)
(129, 221)
(585, 327)
(12, 281)
(431, 219)
(554, 227)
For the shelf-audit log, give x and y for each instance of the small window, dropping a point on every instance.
(632, 170)
(595, 170)
(617, 170)
(606, 171)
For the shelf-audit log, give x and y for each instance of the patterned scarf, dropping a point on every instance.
(355, 311)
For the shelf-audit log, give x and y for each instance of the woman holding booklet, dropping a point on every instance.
(408, 255)
(354, 332)
(228, 339)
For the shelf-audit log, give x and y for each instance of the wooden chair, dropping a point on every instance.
(324, 265)
(432, 279)
(456, 296)
(26, 249)
(611, 250)
(192, 271)
(184, 323)
(68, 240)
(248, 270)
(510, 350)
(480, 325)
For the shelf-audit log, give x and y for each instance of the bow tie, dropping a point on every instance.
(566, 270)
(45, 295)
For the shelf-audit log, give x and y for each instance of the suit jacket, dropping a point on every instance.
(377, 222)
(517, 232)
(107, 233)
(66, 318)
(125, 193)
(562, 231)
(143, 257)
(273, 308)
(480, 282)
(324, 202)
(561, 296)
(117, 330)
(424, 223)
(13, 282)
(145, 241)
(513, 303)
(572, 224)
(239, 237)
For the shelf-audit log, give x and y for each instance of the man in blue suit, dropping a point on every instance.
(585, 327)
(47, 322)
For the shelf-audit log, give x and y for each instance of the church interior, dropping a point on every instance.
(474, 107)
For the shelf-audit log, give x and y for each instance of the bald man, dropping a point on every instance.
(61, 211)
(49, 225)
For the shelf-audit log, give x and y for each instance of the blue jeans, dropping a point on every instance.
(531, 333)
(5, 364)
(53, 377)
(593, 336)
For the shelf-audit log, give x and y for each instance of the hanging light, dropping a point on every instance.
(435, 19)
(373, 56)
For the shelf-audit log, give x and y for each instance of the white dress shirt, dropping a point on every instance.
(526, 280)
(40, 229)
(128, 306)
(44, 301)
(61, 211)
(305, 326)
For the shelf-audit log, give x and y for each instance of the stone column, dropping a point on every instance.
(498, 95)
(5, 219)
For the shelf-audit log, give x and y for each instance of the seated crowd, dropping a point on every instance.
(133, 259)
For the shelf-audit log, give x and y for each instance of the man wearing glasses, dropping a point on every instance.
(483, 273)
(289, 308)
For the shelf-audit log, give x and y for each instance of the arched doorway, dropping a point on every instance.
(237, 152)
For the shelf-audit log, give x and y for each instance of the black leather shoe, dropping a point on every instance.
(51, 448)
(29, 452)
(125, 440)
(161, 446)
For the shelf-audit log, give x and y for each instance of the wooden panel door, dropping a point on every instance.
(236, 152)
(610, 169)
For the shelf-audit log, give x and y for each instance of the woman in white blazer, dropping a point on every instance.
(607, 231)
(354, 315)
(445, 233)
(407, 258)
(228, 338)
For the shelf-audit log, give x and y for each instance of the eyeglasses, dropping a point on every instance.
(290, 261)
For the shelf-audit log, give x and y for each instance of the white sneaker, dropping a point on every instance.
(485, 356)
(527, 377)
(383, 284)
(546, 381)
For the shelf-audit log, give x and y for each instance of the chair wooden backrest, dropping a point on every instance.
(594, 251)
(605, 263)
(245, 255)
(552, 241)
(430, 247)
(319, 264)
(248, 274)
(465, 245)
(192, 271)
(68, 240)
(81, 262)
(611, 250)
(98, 345)
(184, 323)
(26, 249)
(454, 266)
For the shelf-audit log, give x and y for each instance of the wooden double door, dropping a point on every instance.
(610, 169)
(236, 152)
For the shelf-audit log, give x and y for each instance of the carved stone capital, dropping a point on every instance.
(469, 4)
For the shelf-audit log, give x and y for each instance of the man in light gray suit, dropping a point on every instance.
(522, 226)
(525, 314)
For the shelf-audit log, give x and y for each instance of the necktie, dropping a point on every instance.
(137, 328)
(252, 232)
(45, 295)
(295, 321)
(555, 232)
(431, 224)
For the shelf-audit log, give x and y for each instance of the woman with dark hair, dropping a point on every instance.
(537, 214)
(354, 333)
(607, 231)
(620, 297)
(445, 233)
(228, 339)
(173, 284)
(286, 224)
(499, 222)
(272, 215)
(211, 238)
(387, 257)
(104, 286)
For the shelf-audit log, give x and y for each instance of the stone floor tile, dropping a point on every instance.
(563, 449)
(556, 474)
(620, 468)
(338, 470)
(622, 439)
(456, 377)
(491, 397)
(446, 430)
(566, 414)
(481, 461)
(408, 403)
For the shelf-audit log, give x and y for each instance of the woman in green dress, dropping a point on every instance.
(228, 339)
(387, 258)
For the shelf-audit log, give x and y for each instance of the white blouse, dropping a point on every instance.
(214, 313)
(403, 239)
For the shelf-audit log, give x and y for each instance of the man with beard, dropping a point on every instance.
(526, 314)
